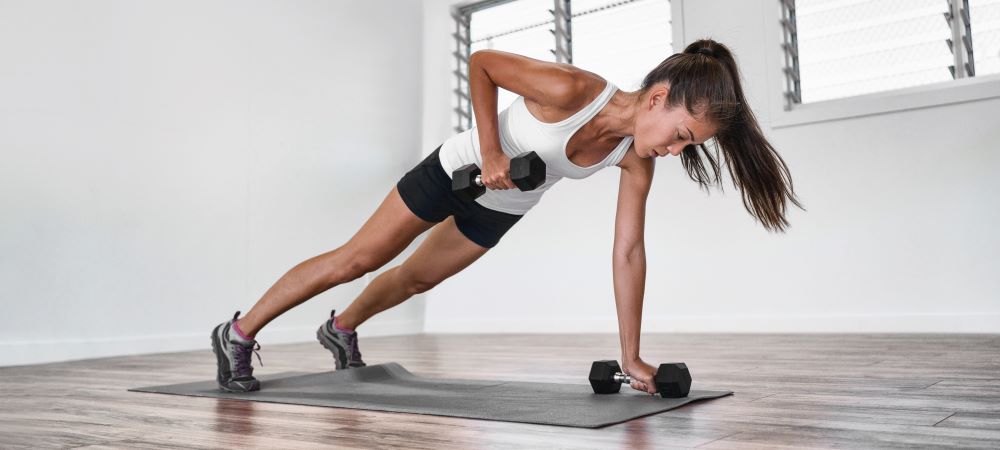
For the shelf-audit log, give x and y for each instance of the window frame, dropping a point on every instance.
(961, 89)
(562, 44)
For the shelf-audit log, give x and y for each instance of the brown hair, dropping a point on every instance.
(705, 77)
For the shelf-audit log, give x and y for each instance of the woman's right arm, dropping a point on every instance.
(546, 83)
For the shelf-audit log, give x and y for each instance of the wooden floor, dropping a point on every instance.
(794, 391)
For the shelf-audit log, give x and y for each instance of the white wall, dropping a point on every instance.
(162, 163)
(899, 235)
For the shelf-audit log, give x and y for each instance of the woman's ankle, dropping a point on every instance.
(345, 324)
(243, 332)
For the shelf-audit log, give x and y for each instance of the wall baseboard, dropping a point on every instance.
(731, 323)
(16, 353)
(41, 352)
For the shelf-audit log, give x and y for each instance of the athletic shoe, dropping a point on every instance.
(343, 345)
(233, 355)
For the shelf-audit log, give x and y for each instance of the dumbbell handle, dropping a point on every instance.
(479, 180)
(622, 378)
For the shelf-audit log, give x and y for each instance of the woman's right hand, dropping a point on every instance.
(496, 171)
(642, 375)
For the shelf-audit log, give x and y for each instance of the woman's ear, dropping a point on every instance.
(658, 96)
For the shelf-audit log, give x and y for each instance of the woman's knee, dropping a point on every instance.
(413, 284)
(419, 287)
(351, 266)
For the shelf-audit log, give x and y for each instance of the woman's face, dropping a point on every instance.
(661, 130)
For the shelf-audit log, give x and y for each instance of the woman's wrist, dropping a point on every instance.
(627, 361)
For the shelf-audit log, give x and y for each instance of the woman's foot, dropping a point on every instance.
(233, 354)
(343, 343)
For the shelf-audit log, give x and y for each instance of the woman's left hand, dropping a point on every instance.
(642, 376)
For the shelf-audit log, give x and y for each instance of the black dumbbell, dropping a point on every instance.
(527, 171)
(672, 380)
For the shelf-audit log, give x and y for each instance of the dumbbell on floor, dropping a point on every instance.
(527, 171)
(672, 380)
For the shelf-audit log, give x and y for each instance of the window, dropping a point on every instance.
(985, 18)
(841, 48)
(521, 27)
(622, 43)
(619, 40)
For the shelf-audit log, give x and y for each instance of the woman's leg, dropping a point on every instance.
(390, 229)
(444, 252)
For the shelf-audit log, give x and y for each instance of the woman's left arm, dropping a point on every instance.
(629, 254)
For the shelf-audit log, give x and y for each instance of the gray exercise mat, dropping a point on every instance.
(390, 387)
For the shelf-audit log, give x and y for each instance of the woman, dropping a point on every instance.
(578, 123)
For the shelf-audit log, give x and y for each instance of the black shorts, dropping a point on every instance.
(426, 190)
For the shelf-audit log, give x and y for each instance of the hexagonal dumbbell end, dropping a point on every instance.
(673, 380)
(527, 171)
(463, 183)
(602, 377)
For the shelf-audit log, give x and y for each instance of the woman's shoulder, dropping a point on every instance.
(583, 87)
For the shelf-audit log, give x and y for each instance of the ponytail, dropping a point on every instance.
(705, 78)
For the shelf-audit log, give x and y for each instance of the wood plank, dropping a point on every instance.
(967, 420)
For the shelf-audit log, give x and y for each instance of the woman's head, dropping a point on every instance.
(696, 95)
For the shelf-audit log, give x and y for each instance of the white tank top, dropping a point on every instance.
(520, 132)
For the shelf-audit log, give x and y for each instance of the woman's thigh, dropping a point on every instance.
(389, 230)
(443, 253)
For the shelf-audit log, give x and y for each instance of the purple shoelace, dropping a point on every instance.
(243, 358)
(354, 346)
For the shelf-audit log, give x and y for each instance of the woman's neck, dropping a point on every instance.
(617, 119)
